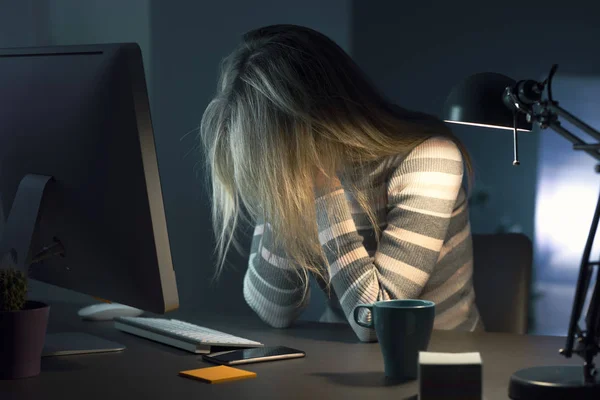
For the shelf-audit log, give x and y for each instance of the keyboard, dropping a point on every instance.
(180, 334)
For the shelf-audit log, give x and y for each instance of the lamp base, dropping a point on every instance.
(550, 383)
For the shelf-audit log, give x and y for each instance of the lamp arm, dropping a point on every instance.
(593, 317)
(525, 96)
(546, 115)
(585, 343)
(578, 143)
(574, 120)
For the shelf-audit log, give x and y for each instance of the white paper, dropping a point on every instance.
(431, 358)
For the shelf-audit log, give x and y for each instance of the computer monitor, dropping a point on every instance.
(79, 178)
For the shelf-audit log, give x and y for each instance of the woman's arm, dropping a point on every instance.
(422, 193)
(272, 288)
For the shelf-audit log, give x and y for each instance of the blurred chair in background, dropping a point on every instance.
(502, 280)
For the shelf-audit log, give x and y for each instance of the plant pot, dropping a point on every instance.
(23, 335)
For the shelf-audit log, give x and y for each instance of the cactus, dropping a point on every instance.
(13, 285)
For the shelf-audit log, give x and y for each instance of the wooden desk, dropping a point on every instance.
(336, 365)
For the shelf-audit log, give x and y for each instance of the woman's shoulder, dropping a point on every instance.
(434, 147)
(440, 147)
(432, 150)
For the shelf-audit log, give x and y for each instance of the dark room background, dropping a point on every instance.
(415, 52)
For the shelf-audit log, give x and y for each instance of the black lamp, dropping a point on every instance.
(496, 101)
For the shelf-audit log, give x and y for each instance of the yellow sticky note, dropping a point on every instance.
(219, 374)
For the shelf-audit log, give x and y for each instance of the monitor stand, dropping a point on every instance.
(69, 343)
(16, 235)
(73, 343)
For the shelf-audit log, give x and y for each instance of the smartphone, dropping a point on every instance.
(254, 355)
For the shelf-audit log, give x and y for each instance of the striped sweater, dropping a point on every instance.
(424, 252)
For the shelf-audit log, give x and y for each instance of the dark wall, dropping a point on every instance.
(23, 22)
(416, 51)
(188, 41)
(100, 21)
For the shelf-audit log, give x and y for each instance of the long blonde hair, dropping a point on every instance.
(291, 102)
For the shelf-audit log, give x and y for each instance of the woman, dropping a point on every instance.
(341, 184)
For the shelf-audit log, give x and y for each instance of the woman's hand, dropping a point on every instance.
(324, 184)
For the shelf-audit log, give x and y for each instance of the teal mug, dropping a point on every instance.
(403, 329)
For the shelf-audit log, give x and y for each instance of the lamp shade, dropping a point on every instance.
(478, 100)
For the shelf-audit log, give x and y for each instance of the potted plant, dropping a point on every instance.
(23, 323)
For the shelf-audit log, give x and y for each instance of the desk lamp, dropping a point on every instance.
(497, 101)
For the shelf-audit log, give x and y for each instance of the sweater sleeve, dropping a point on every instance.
(422, 192)
(271, 286)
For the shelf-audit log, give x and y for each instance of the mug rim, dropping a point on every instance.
(424, 303)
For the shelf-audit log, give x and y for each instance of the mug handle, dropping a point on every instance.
(357, 309)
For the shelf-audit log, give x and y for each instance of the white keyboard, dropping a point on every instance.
(186, 336)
